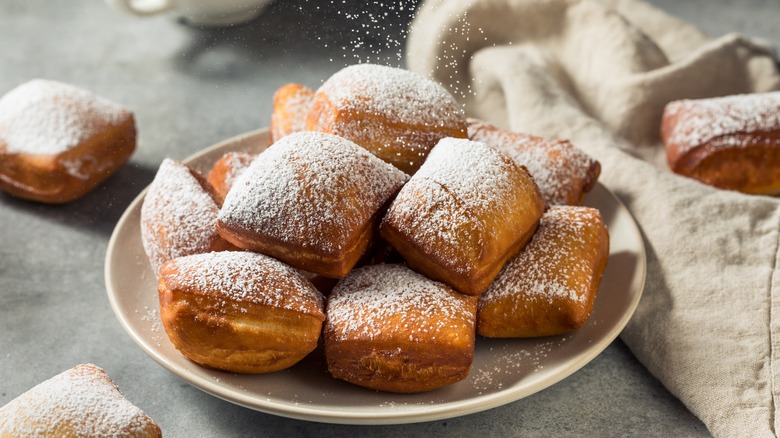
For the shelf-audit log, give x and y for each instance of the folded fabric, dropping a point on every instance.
(599, 72)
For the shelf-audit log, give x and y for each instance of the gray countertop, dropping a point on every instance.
(190, 88)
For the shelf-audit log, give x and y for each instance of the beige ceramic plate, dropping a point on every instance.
(503, 370)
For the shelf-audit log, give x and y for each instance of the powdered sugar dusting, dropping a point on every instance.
(178, 216)
(561, 171)
(292, 104)
(701, 121)
(82, 401)
(371, 300)
(247, 277)
(549, 266)
(311, 189)
(45, 117)
(235, 163)
(462, 182)
(395, 94)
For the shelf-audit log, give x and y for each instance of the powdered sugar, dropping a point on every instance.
(549, 266)
(561, 171)
(367, 303)
(178, 216)
(704, 120)
(45, 117)
(82, 401)
(395, 94)
(244, 277)
(311, 190)
(292, 104)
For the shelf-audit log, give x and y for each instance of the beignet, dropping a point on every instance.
(728, 142)
(80, 402)
(59, 142)
(463, 214)
(292, 103)
(225, 171)
(392, 329)
(549, 288)
(397, 115)
(562, 172)
(311, 200)
(239, 311)
(179, 215)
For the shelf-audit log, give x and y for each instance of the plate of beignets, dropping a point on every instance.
(502, 370)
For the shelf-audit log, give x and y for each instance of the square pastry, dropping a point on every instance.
(311, 200)
(463, 214)
(550, 287)
(58, 142)
(392, 329)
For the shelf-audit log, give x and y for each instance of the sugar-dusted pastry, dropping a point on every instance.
(80, 402)
(179, 215)
(396, 114)
(463, 214)
(549, 288)
(392, 329)
(225, 170)
(728, 142)
(563, 172)
(239, 311)
(58, 142)
(311, 200)
(292, 103)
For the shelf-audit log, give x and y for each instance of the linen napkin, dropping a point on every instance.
(599, 72)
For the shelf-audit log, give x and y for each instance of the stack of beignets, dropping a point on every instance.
(80, 402)
(239, 311)
(393, 329)
(311, 200)
(414, 254)
(728, 142)
(463, 214)
(549, 288)
(562, 172)
(58, 142)
(395, 114)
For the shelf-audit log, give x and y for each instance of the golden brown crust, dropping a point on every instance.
(563, 173)
(329, 192)
(226, 170)
(730, 142)
(550, 287)
(58, 142)
(292, 103)
(465, 212)
(82, 401)
(392, 329)
(394, 114)
(238, 311)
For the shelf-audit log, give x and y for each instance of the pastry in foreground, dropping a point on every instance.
(80, 402)
(395, 114)
(179, 215)
(392, 329)
(551, 286)
(463, 214)
(59, 142)
(292, 103)
(225, 171)
(239, 311)
(728, 142)
(311, 200)
(562, 172)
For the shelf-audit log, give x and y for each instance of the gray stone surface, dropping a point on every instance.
(191, 88)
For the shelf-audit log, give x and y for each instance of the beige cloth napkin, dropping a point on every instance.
(599, 72)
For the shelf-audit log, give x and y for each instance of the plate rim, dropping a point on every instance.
(430, 413)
